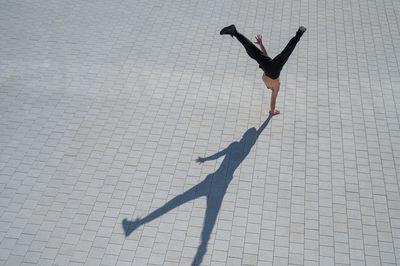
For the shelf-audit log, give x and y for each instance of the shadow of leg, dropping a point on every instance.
(195, 192)
(130, 226)
(213, 206)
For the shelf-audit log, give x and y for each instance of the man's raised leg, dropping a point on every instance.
(251, 49)
(280, 60)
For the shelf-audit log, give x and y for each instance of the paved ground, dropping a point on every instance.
(105, 106)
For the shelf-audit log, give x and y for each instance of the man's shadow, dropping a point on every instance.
(213, 187)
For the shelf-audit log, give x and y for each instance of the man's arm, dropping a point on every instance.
(263, 49)
(259, 42)
(273, 85)
(273, 100)
(274, 94)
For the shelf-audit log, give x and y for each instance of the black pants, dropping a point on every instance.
(271, 67)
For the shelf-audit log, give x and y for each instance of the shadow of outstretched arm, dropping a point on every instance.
(212, 157)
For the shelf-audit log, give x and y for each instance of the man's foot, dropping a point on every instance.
(130, 226)
(275, 112)
(300, 31)
(228, 30)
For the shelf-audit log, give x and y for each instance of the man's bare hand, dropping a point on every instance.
(258, 39)
(275, 112)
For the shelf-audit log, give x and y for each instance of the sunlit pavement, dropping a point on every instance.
(106, 105)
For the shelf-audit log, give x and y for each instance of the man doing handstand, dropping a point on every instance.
(271, 67)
